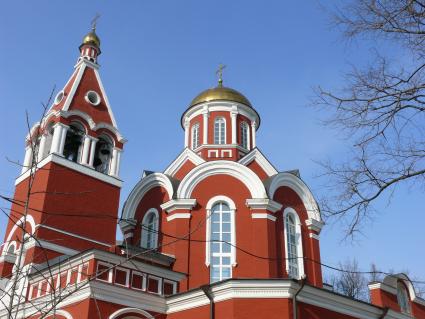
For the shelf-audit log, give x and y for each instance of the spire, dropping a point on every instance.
(219, 73)
(90, 47)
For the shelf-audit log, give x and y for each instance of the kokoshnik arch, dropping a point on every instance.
(220, 233)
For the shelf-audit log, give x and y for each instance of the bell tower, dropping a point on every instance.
(67, 196)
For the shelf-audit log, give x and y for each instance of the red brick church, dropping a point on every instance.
(220, 233)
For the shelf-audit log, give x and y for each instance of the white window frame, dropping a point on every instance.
(221, 134)
(80, 272)
(245, 125)
(127, 276)
(195, 137)
(229, 202)
(402, 293)
(170, 282)
(159, 280)
(144, 231)
(300, 260)
(144, 280)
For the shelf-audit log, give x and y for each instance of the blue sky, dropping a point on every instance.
(157, 55)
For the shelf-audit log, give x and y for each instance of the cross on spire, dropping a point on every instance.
(94, 21)
(219, 73)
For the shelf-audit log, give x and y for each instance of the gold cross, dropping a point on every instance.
(219, 73)
(94, 21)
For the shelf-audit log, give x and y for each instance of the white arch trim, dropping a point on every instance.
(392, 280)
(140, 190)
(236, 170)
(29, 220)
(215, 200)
(62, 313)
(120, 312)
(298, 186)
(300, 253)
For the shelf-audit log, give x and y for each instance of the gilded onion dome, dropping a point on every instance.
(92, 38)
(220, 93)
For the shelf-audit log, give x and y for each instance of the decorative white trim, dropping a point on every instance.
(28, 219)
(74, 87)
(187, 154)
(144, 278)
(298, 186)
(140, 190)
(179, 216)
(138, 311)
(314, 236)
(50, 246)
(390, 285)
(236, 170)
(73, 235)
(212, 153)
(300, 252)
(127, 276)
(75, 166)
(263, 203)
(63, 313)
(315, 225)
(263, 216)
(256, 155)
(102, 90)
(178, 204)
(144, 232)
(220, 198)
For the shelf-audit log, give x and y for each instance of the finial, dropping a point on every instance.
(94, 21)
(219, 73)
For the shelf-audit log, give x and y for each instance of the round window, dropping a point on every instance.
(93, 98)
(59, 97)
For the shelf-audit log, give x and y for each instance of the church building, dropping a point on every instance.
(220, 233)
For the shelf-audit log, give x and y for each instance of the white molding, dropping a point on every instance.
(298, 186)
(75, 85)
(74, 166)
(263, 203)
(74, 235)
(314, 236)
(105, 97)
(256, 155)
(138, 311)
(179, 216)
(220, 198)
(140, 190)
(28, 219)
(236, 170)
(51, 246)
(178, 204)
(315, 225)
(263, 216)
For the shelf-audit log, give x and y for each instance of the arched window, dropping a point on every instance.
(293, 244)
(195, 136)
(221, 238)
(244, 135)
(103, 155)
(219, 131)
(73, 142)
(149, 236)
(403, 297)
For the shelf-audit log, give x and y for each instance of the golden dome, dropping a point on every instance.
(220, 93)
(92, 38)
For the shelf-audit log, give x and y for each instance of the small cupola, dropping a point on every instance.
(90, 46)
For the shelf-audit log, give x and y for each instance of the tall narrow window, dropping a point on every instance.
(103, 155)
(293, 246)
(149, 236)
(195, 136)
(73, 142)
(402, 298)
(244, 135)
(219, 131)
(221, 237)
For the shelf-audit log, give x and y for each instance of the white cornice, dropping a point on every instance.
(174, 204)
(187, 154)
(179, 216)
(314, 225)
(263, 203)
(74, 166)
(256, 155)
(263, 216)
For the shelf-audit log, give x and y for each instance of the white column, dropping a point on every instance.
(41, 147)
(56, 138)
(117, 169)
(234, 126)
(205, 125)
(253, 132)
(62, 140)
(92, 150)
(186, 133)
(86, 150)
(27, 159)
(113, 166)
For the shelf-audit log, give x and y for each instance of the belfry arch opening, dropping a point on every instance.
(103, 154)
(73, 142)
